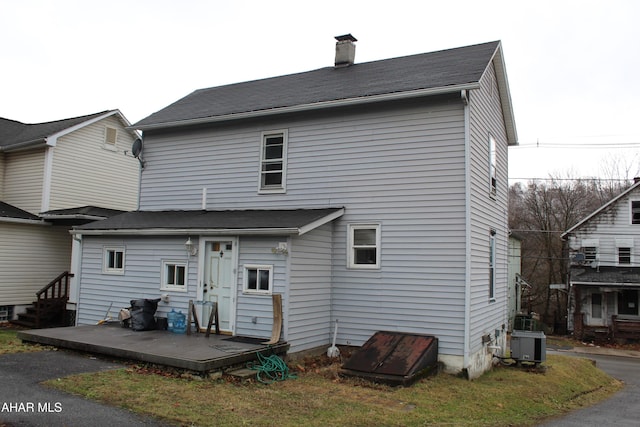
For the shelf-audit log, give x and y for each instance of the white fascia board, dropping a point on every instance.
(315, 106)
(319, 222)
(24, 221)
(505, 95)
(192, 231)
(53, 138)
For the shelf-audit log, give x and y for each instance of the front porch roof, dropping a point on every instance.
(236, 222)
(606, 276)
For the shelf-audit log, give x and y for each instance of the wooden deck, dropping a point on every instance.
(194, 352)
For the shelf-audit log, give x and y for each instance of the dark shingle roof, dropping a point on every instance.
(605, 275)
(212, 220)
(88, 211)
(447, 68)
(10, 211)
(13, 132)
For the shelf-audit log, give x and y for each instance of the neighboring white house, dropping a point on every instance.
(374, 194)
(54, 175)
(605, 270)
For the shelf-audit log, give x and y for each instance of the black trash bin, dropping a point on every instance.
(143, 313)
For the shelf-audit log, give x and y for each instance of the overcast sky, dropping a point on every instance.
(573, 66)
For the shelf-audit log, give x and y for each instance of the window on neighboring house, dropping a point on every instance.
(624, 255)
(493, 169)
(273, 160)
(258, 279)
(628, 302)
(110, 138)
(113, 260)
(492, 265)
(174, 276)
(596, 306)
(364, 245)
(635, 212)
(590, 253)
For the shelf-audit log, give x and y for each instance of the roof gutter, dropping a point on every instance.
(24, 221)
(607, 284)
(71, 216)
(313, 106)
(23, 145)
(182, 231)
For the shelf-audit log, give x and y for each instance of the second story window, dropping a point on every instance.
(624, 255)
(273, 162)
(635, 212)
(493, 169)
(590, 253)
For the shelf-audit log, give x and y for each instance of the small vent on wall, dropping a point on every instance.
(111, 136)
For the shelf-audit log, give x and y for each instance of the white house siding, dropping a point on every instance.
(257, 250)
(487, 213)
(23, 179)
(86, 173)
(403, 169)
(23, 246)
(141, 278)
(611, 224)
(310, 279)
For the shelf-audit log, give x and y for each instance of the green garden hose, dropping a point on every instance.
(270, 369)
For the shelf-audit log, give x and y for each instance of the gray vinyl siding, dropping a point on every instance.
(402, 168)
(20, 245)
(86, 173)
(24, 178)
(310, 289)
(141, 279)
(257, 251)
(487, 212)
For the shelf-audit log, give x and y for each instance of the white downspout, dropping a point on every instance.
(467, 195)
(74, 288)
(46, 178)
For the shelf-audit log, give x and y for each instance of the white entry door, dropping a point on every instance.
(218, 283)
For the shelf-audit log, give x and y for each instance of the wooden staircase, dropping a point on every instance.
(50, 308)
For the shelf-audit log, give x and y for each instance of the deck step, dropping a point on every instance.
(242, 373)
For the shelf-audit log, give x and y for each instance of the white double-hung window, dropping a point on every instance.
(113, 260)
(258, 279)
(273, 162)
(174, 276)
(364, 246)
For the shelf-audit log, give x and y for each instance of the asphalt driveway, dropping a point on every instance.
(622, 409)
(25, 402)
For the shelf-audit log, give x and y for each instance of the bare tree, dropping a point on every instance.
(541, 212)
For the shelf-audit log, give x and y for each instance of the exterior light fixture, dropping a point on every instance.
(191, 248)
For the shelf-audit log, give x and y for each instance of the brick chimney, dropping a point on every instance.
(345, 50)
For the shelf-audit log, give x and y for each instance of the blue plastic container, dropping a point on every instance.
(171, 320)
(180, 323)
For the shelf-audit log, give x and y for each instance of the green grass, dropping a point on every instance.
(506, 396)
(10, 344)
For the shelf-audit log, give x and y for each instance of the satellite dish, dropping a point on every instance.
(136, 148)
